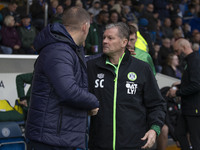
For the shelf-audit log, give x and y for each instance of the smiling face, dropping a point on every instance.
(112, 43)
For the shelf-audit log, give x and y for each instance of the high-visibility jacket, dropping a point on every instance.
(141, 43)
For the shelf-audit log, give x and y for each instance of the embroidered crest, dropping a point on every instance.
(132, 76)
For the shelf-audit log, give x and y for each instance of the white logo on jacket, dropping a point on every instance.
(131, 87)
(99, 81)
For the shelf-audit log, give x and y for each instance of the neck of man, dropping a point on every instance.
(75, 36)
(189, 51)
(114, 58)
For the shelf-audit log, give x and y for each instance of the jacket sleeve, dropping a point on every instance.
(153, 100)
(21, 79)
(60, 70)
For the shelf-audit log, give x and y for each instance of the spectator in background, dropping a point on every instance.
(118, 7)
(165, 50)
(114, 16)
(24, 97)
(96, 8)
(93, 43)
(178, 24)
(129, 15)
(110, 3)
(162, 7)
(57, 17)
(27, 33)
(167, 29)
(150, 15)
(187, 31)
(79, 3)
(37, 12)
(174, 9)
(146, 38)
(177, 33)
(11, 43)
(66, 4)
(190, 13)
(158, 67)
(52, 8)
(11, 10)
(183, 5)
(138, 8)
(196, 47)
(171, 67)
(104, 7)
(159, 33)
(196, 38)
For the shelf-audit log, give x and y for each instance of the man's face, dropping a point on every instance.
(177, 49)
(13, 7)
(166, 43)
(131, 43)
(112, 43)
(150, 8)
(26, 21)
(167, 22)
(114, 17)
(105, 18)
(59, 9)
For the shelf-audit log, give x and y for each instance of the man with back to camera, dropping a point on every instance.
(189, 91)
(60, 100)
(132, 110)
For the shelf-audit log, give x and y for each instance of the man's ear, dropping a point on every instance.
(84, 27)
(124, 42)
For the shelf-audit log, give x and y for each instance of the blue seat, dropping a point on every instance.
(11, 137)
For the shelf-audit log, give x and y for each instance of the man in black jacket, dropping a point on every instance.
(189, 90)
(132, 110)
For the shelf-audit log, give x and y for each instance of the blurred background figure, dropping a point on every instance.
(93, 43)
(57, 17)
(22, 80)
(11, 43)
(171, 67)
(11, 10)
(96, 8)
(165, 50)
(27, 33)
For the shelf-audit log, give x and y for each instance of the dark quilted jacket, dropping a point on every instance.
(59, 99)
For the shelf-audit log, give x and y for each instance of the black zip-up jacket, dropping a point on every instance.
(130, 103)
(190, 86)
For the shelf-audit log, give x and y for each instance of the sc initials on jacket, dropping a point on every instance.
(131, 86)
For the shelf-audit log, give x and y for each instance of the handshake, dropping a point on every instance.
(93, 112)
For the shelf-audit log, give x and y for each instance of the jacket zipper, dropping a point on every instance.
(59, 122)
(115, 102)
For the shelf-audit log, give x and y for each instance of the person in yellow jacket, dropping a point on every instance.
(137, 52)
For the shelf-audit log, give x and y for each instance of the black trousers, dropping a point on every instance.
(191, 125)
(32, 145)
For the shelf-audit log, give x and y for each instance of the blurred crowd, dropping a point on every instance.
(160, 23)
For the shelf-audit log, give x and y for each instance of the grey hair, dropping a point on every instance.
(123, 29)
(7, 20)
